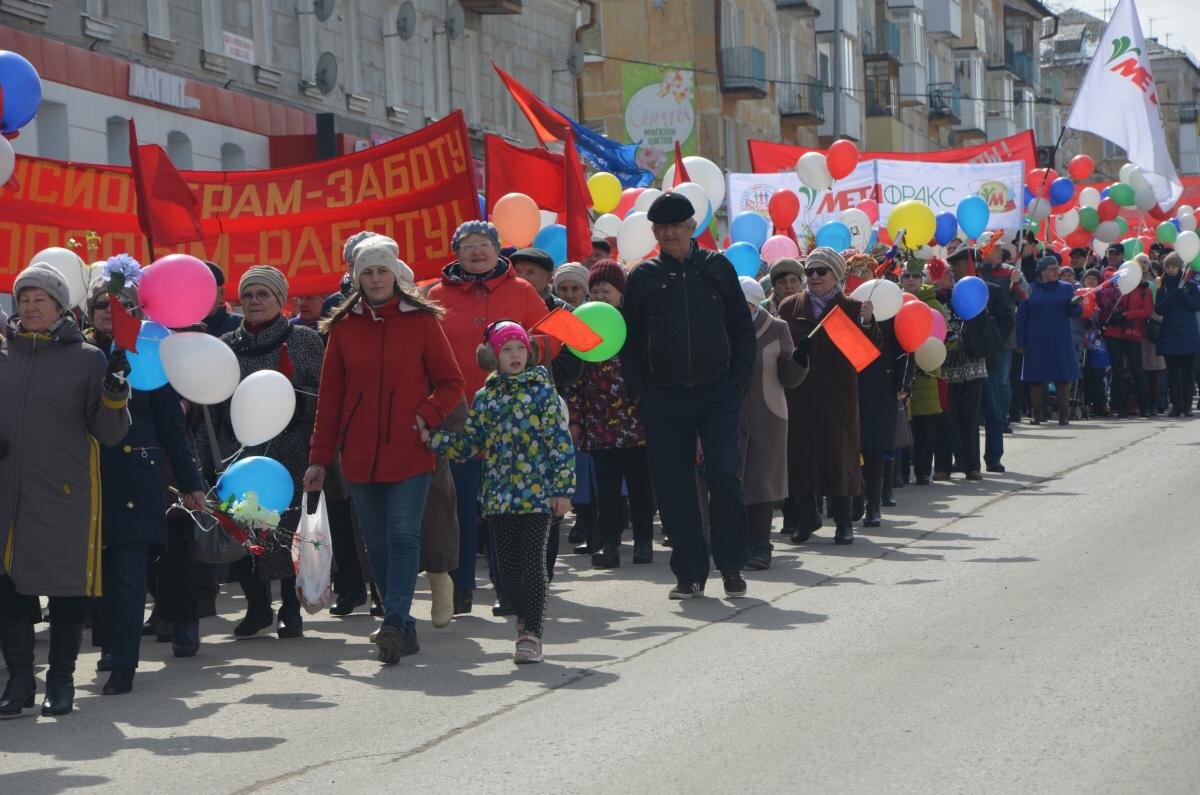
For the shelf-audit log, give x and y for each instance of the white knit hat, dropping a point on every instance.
(381, 250)
(752, 290)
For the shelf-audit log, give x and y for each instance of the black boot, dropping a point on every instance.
(60, 678)
(889, 481)
(105, 661)
(844, 534)
(259, 614)
(609, 557)
(119, 681)
(346, 602)
(187, 639)
(291, 624)
(462, 601)
(874, 495)
(16, 642)
(643, 552)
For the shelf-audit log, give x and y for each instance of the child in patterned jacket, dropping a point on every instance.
(518, 423)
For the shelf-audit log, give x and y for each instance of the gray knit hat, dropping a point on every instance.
(270, 277)
(823, 255)
(42, 275)
(380, 250)
(570, 272)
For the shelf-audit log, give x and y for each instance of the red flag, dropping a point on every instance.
(578, 199)
(125, 327)
(537, 173)
(168, 211)
(706, 239)
(849, 339)
(285, 362)
(548, 124)
(564, 326)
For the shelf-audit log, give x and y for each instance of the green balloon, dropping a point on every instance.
(608, 323)
(1089, 219)
(1122, 193)
(1122, 224)
(1195, 264)
(1167, 233)
(1133, 247)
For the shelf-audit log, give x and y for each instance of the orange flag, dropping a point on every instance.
(565, 327)
(849, 339)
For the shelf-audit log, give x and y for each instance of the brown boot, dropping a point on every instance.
(1063, 389)
(1037, 395)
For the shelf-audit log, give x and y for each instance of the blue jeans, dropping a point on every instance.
(390, 517)
(467, 476)
(997, 395)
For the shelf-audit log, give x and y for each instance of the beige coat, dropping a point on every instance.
(765, 421)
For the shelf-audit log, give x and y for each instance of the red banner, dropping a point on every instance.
(767, 157)
(416, 189)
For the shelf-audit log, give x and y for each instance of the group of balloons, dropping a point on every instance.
(22, 95)
(919, 328)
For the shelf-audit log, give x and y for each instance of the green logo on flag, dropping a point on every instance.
(1122, 46)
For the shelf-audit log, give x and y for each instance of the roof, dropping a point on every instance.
(1079, 32)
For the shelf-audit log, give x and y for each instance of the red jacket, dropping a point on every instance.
(1137, 308)
(472, 305)
(378, 369)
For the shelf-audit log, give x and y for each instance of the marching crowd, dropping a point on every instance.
(441, 430)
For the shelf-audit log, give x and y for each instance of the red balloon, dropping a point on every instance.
(1158, 213)
(1108, 209)
(908, 298)
(841, 158)
(1080, 238)
(871, 208)
(783, 208)
(913, 325)
(628, 197)
(1038, 180)
(1080, 167)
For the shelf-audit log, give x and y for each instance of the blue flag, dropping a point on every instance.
(605, 154)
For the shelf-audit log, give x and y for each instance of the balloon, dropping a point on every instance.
(859, 225)
(1080, 167)
(1121, 193)
(1187, 223)
(264, 476)
(628, 197)
(605, 190)
(745, 259)
(931, 354)
(607, 225)
(908, 298)
(177, 290)
(1089, 302)
(1039, 209)
(1132, 246)
(784, 208)
(76, 272)
(1099, 248)
(200, 367)
(1137, 180)
(516, 218)
(939, 324)
(1089, 219)
(913, 325)
(1080, 238)
(915, 219)
(1122, 225)
(1187, 245)
(841, 158)
(1186, 209)
(1126, 172)
(262, 407)
(1144, 199)
(145, 366)
(635, 238)
(1089, 197)
(871, 208)
(647, 197)
(703, 226)
(1066, 223)
(969, 297)
(1129, 276)
(885, 297)
(553, 240)
(834, 235)
(1061, 191)
(973, 215)
(926, 253)
(704, 173)
(946, 228)
(1108, 210)
(813, 171)
(778, 246)
(8, 160)
(22, 91)
(607, 322)
(1107, 231)
(1039, 180)
(699, 199)
(750, 228)
(1158, 213)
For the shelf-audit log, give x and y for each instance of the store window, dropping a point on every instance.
(179, 149)
(117, 134)
(233, 158)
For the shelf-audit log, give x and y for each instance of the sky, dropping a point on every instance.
(1180, 18)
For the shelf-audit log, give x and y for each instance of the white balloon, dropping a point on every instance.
(814, 171)
(1138, 180)
(202, 369)
(8, 160)
(1144, 198)
(1126, 172)
(927, 252)
(1186, 209)
(1187, 245)
(76, 272)
(696, 195)
(1066, 223)
(859, 224)
(1089, 197)
(1039, 208)
(1187, 223)
(546, 218)
(706, 174)
(1129, 277)
(262, 407)
(1099, 247)
(607, 225)
(645, 199)
(635, 238)
(931, 354)
(1108, 231)
(885, 297)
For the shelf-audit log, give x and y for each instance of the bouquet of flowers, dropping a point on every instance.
(121, 270)
(254, 522)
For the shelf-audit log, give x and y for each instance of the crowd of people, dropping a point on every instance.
(442, 427)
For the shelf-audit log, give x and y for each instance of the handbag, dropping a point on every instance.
(904, 437)
(1153, 327)
(211, 543)
(981, 336)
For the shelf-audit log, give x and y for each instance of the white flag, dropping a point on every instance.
(1118, 100)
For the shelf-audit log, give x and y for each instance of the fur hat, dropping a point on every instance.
(571, 272)
(488, 353)
(607, 270)
(268, 276)
(380, 250)
(752, 290)
(785, 265)
(42, 276)
(466, 228)
(823, 255)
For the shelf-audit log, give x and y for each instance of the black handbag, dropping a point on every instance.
(1153, 327)
(211, 543)
(981, 336)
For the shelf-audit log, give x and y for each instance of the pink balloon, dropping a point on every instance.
(869, 207)
(778, 246)
(939, 325)
(177, 290)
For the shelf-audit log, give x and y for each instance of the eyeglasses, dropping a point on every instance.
(261, 296)
(474, 246)
(818, 270)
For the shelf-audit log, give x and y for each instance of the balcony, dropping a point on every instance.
(1020, 64)
(744, 72)
(917, 4)
(883, 42)
(802, 101)
(849, 123)
(492, 6)
(973, 118)
(914, 84)
(1187, 113)
(944, 18)
(805, 7)
(945, 103)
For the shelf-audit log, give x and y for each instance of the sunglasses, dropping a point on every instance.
(105, 304)
(819, 270)
(910, 276)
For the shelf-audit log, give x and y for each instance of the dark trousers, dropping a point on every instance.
(1180, 383)
(467, 478)
(674, 418)
(759, 517)
(123, 604)
(808, 510)
(632, 465)
(996, 403)
(1127, 355)
(964, 423)
(1017, 392)
(928, 455)
(520, 556)
(174, 581)
(347, 571)
(1093, 388)
(23, 607)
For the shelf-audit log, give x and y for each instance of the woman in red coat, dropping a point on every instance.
(386, 347)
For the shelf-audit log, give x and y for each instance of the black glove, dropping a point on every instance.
(118, 371)
(800, 354)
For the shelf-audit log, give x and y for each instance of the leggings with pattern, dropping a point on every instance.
(521, 552)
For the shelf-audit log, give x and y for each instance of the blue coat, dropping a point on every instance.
(1044, 331)
(1180, 334)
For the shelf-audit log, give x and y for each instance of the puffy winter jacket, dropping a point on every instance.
(1127, 320)
(1180, 335)
(600, 405)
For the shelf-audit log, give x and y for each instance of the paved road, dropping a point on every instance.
(1034, 632)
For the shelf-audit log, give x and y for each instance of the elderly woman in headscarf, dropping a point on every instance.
(570, 283)
(267, 341)
(823, 427)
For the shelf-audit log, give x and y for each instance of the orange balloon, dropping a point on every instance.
(517, 219)
(908, 298)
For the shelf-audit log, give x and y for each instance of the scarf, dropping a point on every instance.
(820, 302)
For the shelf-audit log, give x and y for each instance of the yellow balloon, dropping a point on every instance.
(915, 219)
(606, 191)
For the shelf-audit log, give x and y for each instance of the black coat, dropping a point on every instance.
(878, 386)
(222, 321)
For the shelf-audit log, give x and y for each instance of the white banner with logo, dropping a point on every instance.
(750, 193)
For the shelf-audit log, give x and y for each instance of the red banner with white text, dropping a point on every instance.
(416, 189)
(767, 157)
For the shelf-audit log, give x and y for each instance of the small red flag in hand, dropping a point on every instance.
(285, 362)
(126, 327)
(564, 326)
(849, 339)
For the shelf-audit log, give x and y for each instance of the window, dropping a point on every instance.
(471, 51)
(353, 83)
(117, 134)
(393, 60)
(261, 22)
(882, 82)
(212, 27)
(52, 132)
(308, 41)
(179, 149)
(823, 59)
(233, 158)
(849, 72)
(158, 18)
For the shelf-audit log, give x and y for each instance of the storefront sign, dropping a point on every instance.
(161, 87)
(239, 48)
(660, 109)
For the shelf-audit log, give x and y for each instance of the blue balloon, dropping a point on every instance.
(745, 258)
(872, 241)
(946, 229)
(264, 476)
(482, 206)
(22, 91)
(553, 241)
(145, 367)
(1178, 226)
(701, 228)
(1062, 190)
(1028, 197)
(969, 297)
(1104, 193)
(835, 235)
(750, 228)
(973, 215)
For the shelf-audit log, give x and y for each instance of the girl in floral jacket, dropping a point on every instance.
(518, 423)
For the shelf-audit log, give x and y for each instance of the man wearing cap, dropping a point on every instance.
(689, 360)
(601, 249)
(221, 320)
(1010, 283)
(1115, 256)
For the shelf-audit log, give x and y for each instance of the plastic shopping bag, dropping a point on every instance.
(312, 558)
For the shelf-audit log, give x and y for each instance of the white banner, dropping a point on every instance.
(750, 193)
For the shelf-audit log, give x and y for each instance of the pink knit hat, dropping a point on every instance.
(506, 331)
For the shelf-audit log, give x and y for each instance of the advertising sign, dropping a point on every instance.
(660, 109)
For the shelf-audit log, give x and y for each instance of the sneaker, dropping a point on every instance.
(395, 643)
(735, 585)
(529, 649)
(686, 591)
(759, 558)
(408, 642)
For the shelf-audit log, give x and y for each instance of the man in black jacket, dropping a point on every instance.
(688, 360)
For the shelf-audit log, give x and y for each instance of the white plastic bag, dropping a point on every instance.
(312, 559)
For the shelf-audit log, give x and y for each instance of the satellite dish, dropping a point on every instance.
(327, 72)
(406, 21)
(323, 9)
(575, 59)
(456, 21)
